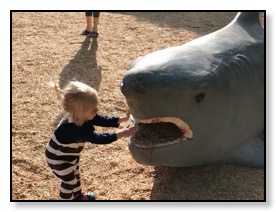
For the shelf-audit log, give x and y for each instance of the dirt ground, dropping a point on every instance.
(47, 46)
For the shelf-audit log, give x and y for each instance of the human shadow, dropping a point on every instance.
(83, 67)
(215, 182)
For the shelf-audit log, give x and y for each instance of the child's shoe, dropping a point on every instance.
(88, 196)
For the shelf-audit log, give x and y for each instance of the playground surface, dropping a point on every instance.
(48, 46)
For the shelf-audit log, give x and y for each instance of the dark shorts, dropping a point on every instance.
(94, 14)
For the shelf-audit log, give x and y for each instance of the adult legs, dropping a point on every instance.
(89, 21)
(92, 22)
(96, 18)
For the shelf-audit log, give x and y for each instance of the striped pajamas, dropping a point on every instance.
(64, 148)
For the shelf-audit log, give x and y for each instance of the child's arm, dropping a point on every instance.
(104, 121)
(126, 132)
(106, 138)
(125, 118)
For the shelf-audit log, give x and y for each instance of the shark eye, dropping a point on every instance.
(200, 97)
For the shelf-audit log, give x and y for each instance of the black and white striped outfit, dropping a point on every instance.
(64, 148)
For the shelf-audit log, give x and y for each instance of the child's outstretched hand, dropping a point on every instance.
(125, 118)
(126, 132)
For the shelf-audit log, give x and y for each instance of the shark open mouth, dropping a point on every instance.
(160, 132)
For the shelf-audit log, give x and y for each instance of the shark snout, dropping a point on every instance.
(130, 87)
(143, 83)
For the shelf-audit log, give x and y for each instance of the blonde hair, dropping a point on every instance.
(76, 98)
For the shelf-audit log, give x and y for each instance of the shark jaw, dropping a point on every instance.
(160, 132)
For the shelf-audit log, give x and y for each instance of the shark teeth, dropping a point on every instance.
(168, 126)
(184, 127)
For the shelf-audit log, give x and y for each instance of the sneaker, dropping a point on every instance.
(85, 32)
(92, 34)
(88, 196)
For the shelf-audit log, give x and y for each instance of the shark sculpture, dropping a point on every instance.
(203, 102)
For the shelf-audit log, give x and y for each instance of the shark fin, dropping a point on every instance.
(248, 17)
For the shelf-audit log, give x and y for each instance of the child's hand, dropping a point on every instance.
(125, 118)
(127, 114)
(126, 132)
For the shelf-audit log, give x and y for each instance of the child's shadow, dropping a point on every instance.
(83, 67)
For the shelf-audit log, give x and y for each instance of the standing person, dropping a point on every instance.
(92, 22)
(80, 101)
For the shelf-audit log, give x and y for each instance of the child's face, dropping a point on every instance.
(90, 113)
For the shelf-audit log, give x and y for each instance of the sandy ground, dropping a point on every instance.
(47, 46)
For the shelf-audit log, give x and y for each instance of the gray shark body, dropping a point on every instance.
(215, 84)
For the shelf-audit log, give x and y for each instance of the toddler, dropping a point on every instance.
(80, 101)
